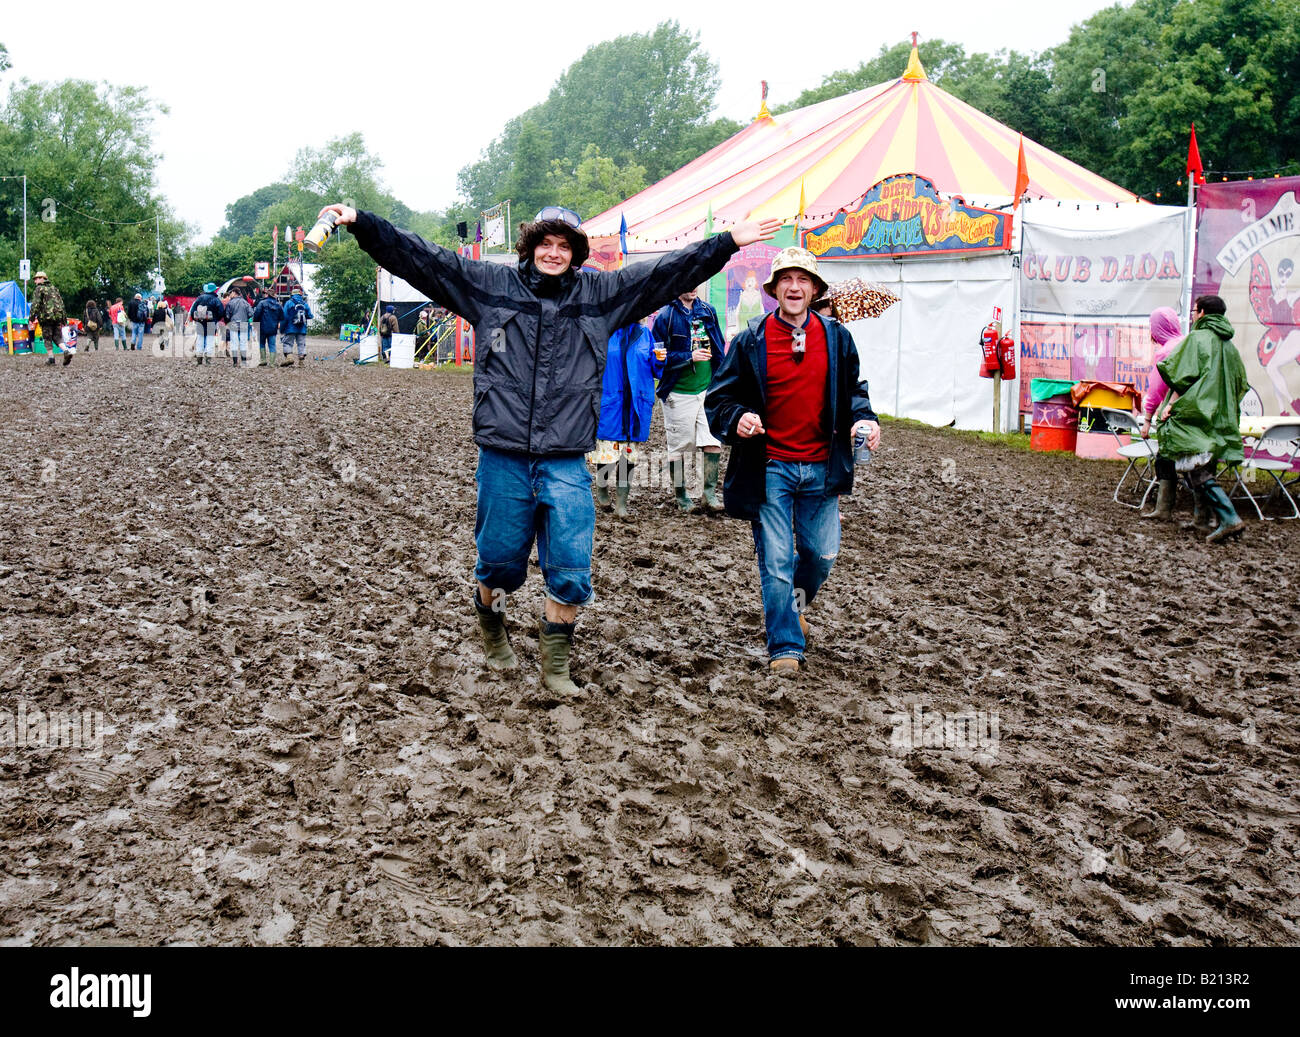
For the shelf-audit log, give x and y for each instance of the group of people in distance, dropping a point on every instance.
(787, 397)
(1194, 393)
(232, 318)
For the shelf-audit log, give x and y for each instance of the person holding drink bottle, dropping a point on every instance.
(687, 333)
(789, 400)
(543, 327)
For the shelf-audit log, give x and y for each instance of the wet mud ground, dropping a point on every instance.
(261, 579)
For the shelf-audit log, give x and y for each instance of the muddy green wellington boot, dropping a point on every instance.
(1230, 524)
(677, 475)
(496, 642)
(711, 464)
(1202, 517)
(604, 473)
(555, 640)
(1163, 511)
(621, 492)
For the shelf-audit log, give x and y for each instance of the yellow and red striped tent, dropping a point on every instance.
(834, 152)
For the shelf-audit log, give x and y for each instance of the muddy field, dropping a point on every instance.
(261, 580)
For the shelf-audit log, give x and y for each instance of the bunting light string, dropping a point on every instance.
(64, 205)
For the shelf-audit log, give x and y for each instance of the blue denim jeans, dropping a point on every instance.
(547, 498)
(137, 335)
(797, 537)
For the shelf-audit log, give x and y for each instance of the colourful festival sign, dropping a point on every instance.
(903, 215)
(1247, 249)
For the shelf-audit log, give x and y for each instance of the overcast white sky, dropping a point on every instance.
(431, 84)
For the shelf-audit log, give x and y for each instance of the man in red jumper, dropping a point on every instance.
(789, 401)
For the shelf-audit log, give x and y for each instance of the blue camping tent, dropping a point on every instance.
(12, 302)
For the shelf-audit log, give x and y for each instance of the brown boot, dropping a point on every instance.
(1163, 511)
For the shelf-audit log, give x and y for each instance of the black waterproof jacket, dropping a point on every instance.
(741, 385)
(541, 340)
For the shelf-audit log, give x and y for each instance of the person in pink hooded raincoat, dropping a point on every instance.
(1167, 335)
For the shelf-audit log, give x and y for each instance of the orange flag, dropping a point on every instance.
(1022, 176)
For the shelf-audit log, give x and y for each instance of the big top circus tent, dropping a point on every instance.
(900, 183)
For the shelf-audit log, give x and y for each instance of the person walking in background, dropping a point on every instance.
(1166, 336)
(117, 318)
(238, 313)
(423, 335)
(269, 315)
(688, 336)
(47, 309)
(138, 313)
(1202, 426)
(93, 322)
(627, 400)
(296, 315)
(206, 312)
(789, 400)
(388, 327)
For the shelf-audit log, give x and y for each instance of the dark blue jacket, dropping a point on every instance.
(291, 304)
(627, 395)
(741, 386)
(672, 328)
(216, 308)
(269, 315)
(541, 340)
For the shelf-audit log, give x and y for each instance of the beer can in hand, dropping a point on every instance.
(861, 452)
(315, 239)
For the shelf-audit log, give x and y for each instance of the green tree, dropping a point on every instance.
(243, 215)
(92, 201)
(526, 186)
(598, 183)
(642, 99)
(346, 280)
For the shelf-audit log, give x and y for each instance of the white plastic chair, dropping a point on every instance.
(1288, 438)
(1141, 454)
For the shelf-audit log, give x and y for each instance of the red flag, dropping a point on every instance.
(1022, 176)
(1194, 159)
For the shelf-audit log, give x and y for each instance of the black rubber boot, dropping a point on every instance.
(1163, 511)
(555, 640)
(67, 359)
(496, 642)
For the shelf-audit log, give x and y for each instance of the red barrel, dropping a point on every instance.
(1055, 425)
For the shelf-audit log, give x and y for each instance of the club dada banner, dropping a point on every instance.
(1108, 275)
(1247, 248)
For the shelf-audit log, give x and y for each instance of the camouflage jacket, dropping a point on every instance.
(47, 305)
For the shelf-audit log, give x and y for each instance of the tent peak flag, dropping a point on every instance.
(915, 72)
(763, 113)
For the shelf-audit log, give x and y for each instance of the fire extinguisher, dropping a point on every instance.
(989, 365)
(1007, 357)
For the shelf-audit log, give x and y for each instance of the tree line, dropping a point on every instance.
(1116, 96)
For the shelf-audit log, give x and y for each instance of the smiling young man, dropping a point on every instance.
(789, 400)
(543, 326)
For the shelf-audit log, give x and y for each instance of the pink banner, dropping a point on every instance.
(1247, 248)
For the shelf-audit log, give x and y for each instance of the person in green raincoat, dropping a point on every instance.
(1202, 425)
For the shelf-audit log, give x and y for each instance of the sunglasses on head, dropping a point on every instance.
(555, 212)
